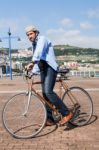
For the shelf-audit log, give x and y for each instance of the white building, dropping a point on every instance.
(22, 53)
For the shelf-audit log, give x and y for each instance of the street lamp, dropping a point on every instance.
(9, 40)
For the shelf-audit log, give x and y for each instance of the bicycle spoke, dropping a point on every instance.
(80, 103)
(22, 124)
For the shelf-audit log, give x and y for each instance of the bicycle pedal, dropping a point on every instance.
(76, 106)
(76, 114)
(56, 116)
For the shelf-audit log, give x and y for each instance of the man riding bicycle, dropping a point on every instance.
(44, 58)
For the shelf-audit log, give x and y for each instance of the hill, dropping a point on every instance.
(69, 53)
(72, 50)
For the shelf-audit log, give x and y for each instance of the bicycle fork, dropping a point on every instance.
(28, 103)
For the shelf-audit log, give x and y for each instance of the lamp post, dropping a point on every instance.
(9, 40)
(9, 34)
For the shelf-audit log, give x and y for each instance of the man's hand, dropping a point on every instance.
(29, 66)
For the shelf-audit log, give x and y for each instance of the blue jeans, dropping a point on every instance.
(48, 78)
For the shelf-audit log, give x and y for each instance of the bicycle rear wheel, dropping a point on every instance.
(21, 124)
(83, 107)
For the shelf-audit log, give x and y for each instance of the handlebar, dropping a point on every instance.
(27, 73)
(61, 73)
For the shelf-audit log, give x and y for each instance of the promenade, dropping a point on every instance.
(53, 138)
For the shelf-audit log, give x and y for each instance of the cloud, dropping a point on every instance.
(86, 25)
(66, 22)
(72, 33)
(93, 13)
(86, 41)
(62, 32)
(14, 23)
(72, 37)
(61, 36)
(17, 29)
(6, 23)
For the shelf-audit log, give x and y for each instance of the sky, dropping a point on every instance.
(72, 22)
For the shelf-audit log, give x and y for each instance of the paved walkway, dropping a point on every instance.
(53, 138)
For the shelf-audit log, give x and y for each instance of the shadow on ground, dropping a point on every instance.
(70, 126)
(48, 130)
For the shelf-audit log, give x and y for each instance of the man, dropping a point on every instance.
(43, 56)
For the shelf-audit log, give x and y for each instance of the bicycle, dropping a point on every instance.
(24, 115)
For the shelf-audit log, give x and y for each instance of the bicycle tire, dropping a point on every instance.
(83, 113)
(24, 126)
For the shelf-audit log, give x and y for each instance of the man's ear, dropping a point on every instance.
(36, 34)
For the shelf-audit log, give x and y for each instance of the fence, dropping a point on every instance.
(84, 73)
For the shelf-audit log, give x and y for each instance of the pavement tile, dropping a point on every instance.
(53, 138)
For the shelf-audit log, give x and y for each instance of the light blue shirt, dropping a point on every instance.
(44, 51)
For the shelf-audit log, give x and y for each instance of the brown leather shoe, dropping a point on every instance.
(49, 123)
(66, 119)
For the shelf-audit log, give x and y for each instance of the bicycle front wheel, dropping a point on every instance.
(23, 123)
(78, 100)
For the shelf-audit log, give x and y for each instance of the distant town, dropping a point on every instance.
(80, 61)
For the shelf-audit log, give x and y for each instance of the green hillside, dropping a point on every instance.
(68, 53)
(71, 50)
